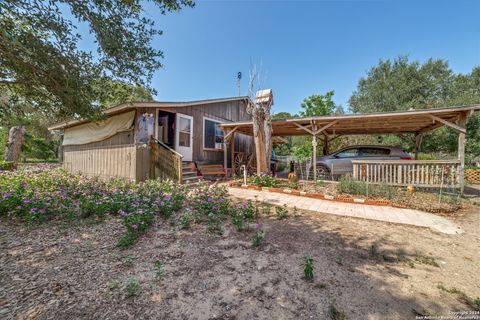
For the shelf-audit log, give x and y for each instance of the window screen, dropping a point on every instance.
(213, 135)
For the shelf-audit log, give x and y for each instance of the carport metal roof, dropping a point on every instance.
(412, 121)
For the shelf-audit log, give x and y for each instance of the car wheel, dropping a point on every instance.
(323, 172)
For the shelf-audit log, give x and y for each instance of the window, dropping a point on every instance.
(184, 132)
(146, 126)
(375, 152)
(349, 153)
(212, 134)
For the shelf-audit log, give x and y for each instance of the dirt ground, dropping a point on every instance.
(366, 269)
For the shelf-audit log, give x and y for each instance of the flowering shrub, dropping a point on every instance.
(264, 180)
(210, 204)
(242, 213)
(38, 195)
(35, 195)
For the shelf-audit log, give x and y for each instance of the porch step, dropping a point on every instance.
(189, 173)
(192, 179)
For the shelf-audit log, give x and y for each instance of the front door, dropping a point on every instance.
(184, 136)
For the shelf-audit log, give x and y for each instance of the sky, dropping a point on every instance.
(305, 47)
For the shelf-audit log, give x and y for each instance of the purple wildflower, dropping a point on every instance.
(122, 213)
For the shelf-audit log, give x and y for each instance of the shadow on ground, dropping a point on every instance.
(368, 270)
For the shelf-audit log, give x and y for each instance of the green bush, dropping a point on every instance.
(308, 267)
(258, 237)
(186, 220)
(281, 166)
(282, 212)
(132, 287)
(347, 185)
(243, 213)
(426, 156)
(41, 194)
(6, 166)
(263, 181)
(210, 205)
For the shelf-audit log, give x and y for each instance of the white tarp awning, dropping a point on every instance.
(98, 131)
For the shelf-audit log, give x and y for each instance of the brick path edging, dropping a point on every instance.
(321, 196)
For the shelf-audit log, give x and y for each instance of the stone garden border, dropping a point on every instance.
(367, 201)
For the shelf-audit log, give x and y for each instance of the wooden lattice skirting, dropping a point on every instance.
(472, 175)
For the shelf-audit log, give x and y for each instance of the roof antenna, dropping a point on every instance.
(239, 77)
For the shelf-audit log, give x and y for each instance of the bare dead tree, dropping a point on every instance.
(259, 109)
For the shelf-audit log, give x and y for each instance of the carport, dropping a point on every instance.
(412, 124)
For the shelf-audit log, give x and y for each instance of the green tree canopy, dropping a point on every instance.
(117, 92)
(319, 105)
(402, 85)
(282, 115)
(41, 64)
(39, 142)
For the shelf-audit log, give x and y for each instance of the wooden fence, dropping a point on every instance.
(166, 163)
(425, 173)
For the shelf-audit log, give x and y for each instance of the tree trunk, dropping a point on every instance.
(16, 137)
(267, 128)
(326, 147)
(259, 137)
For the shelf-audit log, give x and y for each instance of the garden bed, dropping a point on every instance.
(78, 272)
(356, 192)
(81, 248)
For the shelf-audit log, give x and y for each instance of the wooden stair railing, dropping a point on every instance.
(166, 163)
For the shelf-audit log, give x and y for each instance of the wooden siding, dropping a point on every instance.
(231, 111)
(143, 162)
(102, 161)
(120, 156)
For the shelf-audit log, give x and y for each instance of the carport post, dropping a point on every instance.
(314, 133)
(225, 155)
(232, 153)
(314, 144)
(462, 120)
